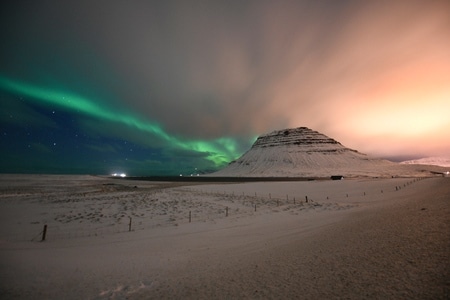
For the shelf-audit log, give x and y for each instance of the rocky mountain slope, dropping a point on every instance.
(302, 152)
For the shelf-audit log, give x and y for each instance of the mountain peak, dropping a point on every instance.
(303, 137)
(303, 152)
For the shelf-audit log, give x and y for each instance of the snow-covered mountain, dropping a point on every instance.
(434, 161)
(302, 152)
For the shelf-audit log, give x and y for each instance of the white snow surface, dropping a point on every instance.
(120, 239)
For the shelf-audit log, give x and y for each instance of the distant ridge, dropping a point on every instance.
(302, 152)
(435, 161)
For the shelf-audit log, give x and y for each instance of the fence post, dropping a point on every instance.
(189, 216)
(226, 211)
(44, 233)
(129, 225)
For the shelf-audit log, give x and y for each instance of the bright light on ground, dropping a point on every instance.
(119, 175)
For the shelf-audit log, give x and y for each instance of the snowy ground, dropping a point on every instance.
(252, 240)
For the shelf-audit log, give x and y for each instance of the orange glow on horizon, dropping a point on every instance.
(384, 93)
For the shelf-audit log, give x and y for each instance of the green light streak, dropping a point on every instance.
(220, 151)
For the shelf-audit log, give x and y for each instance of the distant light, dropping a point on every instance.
(119, 175)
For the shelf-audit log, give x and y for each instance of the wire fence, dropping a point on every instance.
(98, 214)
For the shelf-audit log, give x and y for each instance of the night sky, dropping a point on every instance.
(180, 87)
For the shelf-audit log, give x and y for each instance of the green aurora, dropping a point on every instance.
(220, 151)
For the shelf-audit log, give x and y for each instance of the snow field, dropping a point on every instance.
(78, 208)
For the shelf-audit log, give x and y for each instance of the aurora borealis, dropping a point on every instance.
(218, 152)
(170, 87)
